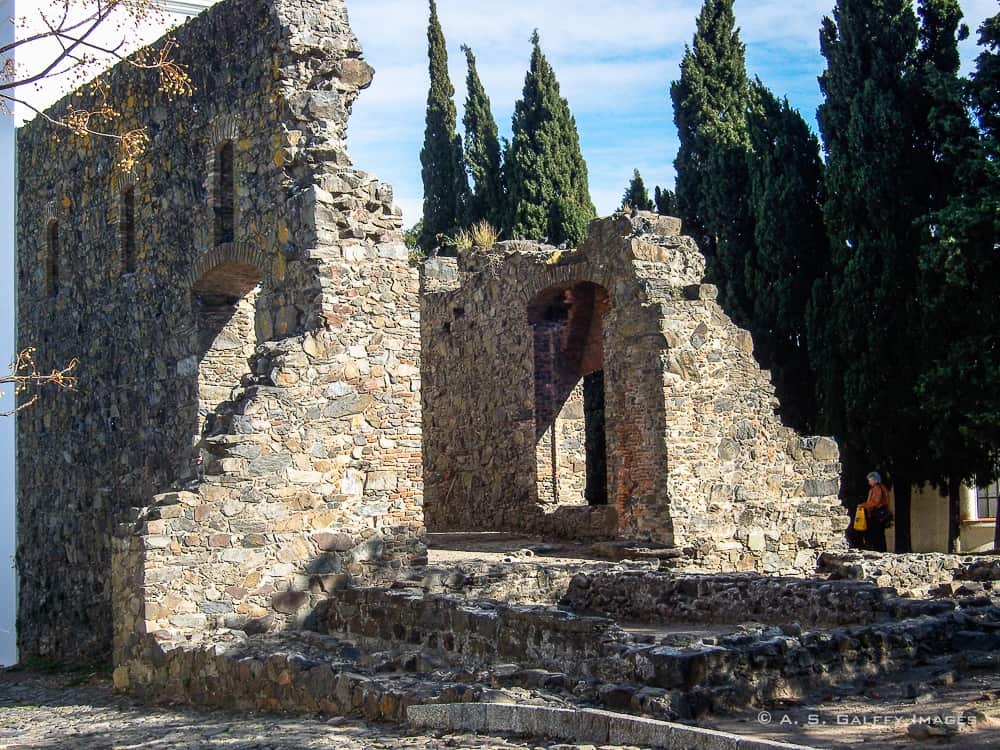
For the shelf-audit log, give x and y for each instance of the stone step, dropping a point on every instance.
(582, 725)
(300, 672)
(626, 550)
(527, 581)
(720, 673)
(657, 597)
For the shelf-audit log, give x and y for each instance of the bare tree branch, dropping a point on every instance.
(47, 71)
(26, 378)
(80, 51)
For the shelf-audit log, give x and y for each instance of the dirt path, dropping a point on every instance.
(931, 707)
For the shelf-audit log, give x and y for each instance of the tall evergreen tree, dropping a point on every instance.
(482, 151)
(636, 196)
(710, 106)
(882, 183)
(786, 178)
(959, 387)
(446, 185)
(549, 195)
(666, 201)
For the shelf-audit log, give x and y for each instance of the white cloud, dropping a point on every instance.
(614, 64)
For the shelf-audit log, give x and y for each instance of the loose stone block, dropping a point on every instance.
(633, 730)
(501, 717)
(330, 542)
(470, 717)
(695, 738)
(432, 716)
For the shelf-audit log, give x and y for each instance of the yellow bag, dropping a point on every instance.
(860, 521)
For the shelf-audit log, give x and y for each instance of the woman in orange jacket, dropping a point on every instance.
(878, 497)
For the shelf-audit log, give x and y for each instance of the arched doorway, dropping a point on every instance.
(567, 323)
(224, 303)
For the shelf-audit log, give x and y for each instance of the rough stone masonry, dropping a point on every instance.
(248, 436)
(548, 371)
(248, 326)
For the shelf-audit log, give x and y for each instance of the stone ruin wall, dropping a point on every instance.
(249, 401)
(696, 456)
(308, 474)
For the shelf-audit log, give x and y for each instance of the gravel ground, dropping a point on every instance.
(80, 712)
(933, 706)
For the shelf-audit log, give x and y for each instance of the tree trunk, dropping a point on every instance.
(954, 519)
(902, 491)
(996, 532)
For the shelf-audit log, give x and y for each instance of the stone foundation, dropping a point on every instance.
(748, 667)
(915, 574)
(714, 600)
(296, 673)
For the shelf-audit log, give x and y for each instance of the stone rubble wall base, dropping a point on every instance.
(471, 633)
(220, 676)
(585, 725)
(640, 596)
(736, 671)
(914, 574)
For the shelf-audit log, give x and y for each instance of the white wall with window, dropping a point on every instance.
(929, 514)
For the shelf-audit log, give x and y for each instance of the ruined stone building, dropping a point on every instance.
(603, 393)
(274, 403)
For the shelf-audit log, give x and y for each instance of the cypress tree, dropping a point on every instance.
(865, 377)
(786, 178)
(666, 201)
(883, 180)
(636, 196)
(446, 185)
(548, 196)
(985, 84)
(710, 107)
(959, 388)
(482, 151)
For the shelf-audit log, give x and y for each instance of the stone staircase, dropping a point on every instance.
(675, 646)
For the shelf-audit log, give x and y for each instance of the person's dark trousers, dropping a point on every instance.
(855, 539)
(875, 536)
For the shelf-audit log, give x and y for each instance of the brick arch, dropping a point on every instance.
(122, 180)
(567, 275)
(584, 306)
(231, 252)
(602, 276)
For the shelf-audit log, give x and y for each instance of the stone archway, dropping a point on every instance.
(224, 307)
(567, 322)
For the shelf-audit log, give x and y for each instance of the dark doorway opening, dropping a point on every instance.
(570, 431)
(596, 438)
(224, 304)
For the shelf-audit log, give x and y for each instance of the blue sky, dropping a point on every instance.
(614, 61)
